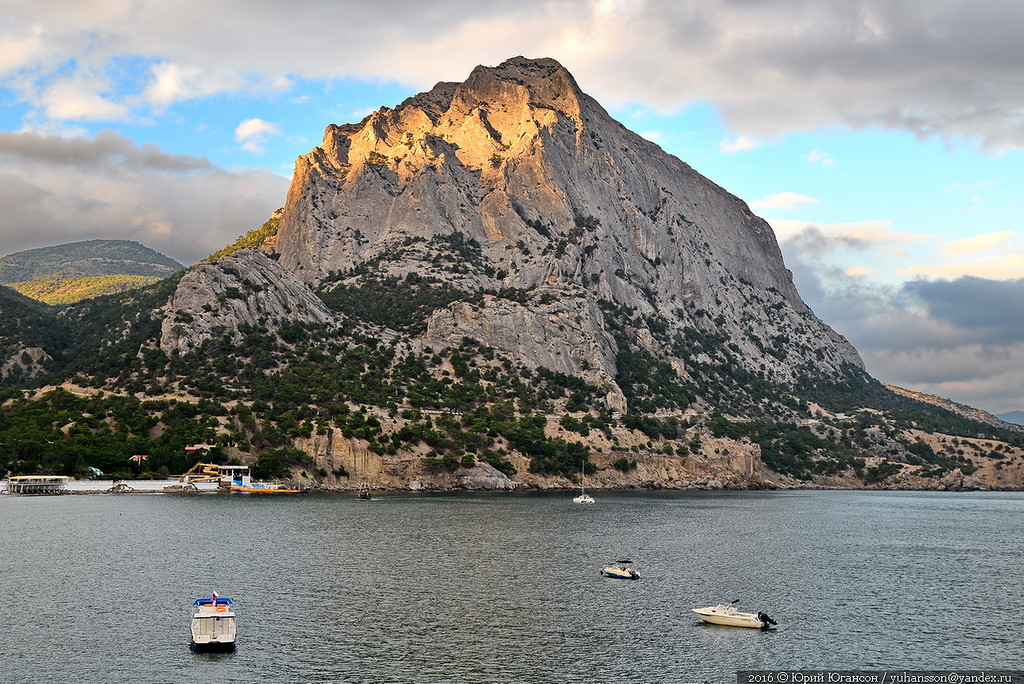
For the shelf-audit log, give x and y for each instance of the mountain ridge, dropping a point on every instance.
(493, 285)
(86, 258)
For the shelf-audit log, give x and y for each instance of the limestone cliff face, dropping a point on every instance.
(558, 327)
(722, 463)
(244, 288)
(548, 190)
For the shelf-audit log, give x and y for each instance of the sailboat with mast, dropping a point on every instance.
(583, 497)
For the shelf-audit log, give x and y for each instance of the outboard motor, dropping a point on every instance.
(765, 620)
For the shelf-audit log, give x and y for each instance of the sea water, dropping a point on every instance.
(505, 587)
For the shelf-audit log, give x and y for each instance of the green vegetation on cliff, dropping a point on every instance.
(450, 407)
(254, 239)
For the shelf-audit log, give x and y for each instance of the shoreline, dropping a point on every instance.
(130, 488)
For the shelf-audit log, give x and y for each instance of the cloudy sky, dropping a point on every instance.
(882, 139)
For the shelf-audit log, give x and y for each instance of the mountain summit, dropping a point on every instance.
(516, 179)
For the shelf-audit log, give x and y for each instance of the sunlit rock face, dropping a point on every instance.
(515, 178)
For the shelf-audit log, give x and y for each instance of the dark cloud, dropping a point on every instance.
(55, 190)
(992, 309)
(106, 148)
(939, 68)
(961, 339)
(812, 240)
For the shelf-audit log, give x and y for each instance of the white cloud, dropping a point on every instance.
(818, 157)
(978, 244)
(18, 51)
(653, 136)
(741, 143)
(80, 100)
(941, 69)
(172, 83)
(782, 200)
(253, 133)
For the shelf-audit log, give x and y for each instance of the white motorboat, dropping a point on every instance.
(620, 570)
(726, 614)
(213, 624)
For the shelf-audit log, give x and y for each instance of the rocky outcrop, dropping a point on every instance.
(956, 481)
(27, 362)
(245, 288)
(558, 328)
(517, 179)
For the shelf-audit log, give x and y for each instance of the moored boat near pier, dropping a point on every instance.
(37, 484)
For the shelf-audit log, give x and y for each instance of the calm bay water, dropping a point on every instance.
(505, 588)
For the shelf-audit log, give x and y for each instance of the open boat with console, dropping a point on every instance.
(213, 624)
(620, 570)
(726, 614)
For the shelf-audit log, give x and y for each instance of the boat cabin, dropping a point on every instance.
(213, 624)
(234, 475)
(37, 484)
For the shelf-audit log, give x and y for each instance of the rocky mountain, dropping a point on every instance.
(492, 285)
(515, 179)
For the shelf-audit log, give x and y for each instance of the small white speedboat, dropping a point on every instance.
(213, 624)
(620, 570)
(726, 614)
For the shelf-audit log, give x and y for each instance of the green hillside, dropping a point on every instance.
(27, 323)
(71, 290)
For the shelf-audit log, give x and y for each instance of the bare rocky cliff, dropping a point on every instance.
(243, 289)
(517, 179)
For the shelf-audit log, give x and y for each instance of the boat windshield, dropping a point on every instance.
(210, 601)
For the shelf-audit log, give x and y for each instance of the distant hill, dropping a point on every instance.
(1016, 417)
(68, 273)
(71, 290)
(959, 409)
(84, 259)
